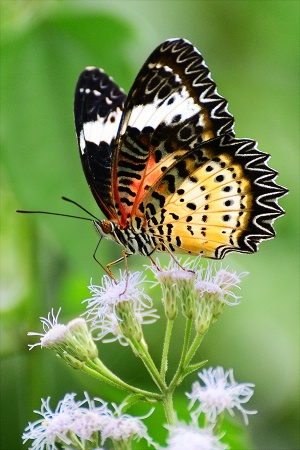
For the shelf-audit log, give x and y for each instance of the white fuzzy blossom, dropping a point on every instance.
(123, 427)
(175, 271)
(213, 289)
(192, 437)
(104, 308)
(72, 342)
(220, 392)
(218, 284)
(73, 423)
(55, 425)
(53, 331)
(107, 296)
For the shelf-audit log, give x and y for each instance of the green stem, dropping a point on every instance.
(149, 363)
(186, 341)
(218, 426)
(129, 401)
(169, 408)
(182, 365)
(164, 360)
(193, 348)
(98, 370)
(122, 445)
(76, 441)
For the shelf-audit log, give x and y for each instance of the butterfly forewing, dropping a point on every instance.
(98, 108)
(173, 107)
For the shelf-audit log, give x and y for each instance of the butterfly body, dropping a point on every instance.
(134, 241)
(164, 165)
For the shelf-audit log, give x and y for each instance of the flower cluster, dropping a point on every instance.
(203, 293)
(88, 419)
(116, 312)
(75, 422)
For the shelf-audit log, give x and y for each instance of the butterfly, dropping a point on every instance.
(164, 165)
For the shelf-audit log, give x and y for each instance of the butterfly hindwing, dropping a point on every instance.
(98, 108)
(172, 107)
(218, 198)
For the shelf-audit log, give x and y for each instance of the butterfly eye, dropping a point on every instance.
(106, 226)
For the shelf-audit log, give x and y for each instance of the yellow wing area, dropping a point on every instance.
(218, 198)
(211, 208)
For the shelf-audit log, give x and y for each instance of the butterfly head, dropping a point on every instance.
(104, 227)
(110, 230)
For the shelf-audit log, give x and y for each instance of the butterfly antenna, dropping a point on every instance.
(63, 215)
(53, 214)
(79, 206)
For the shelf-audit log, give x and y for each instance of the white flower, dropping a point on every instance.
(219, 393)
(175, 270)
(53, 331)
(108, 329)
(111, 293)
(82, 345)
(191, 437)
(91, 420)
(212, 290)
(112, 305)
(72, 342)
(53, 426)
(123, 427)
(216, 284)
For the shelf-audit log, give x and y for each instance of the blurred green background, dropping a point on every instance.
(252, 49)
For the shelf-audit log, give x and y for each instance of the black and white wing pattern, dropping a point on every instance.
(98, 109)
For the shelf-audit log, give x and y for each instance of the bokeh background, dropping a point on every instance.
(252, 49)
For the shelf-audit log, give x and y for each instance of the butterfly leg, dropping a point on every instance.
(124, 258)
(170, 253)
(106, 269)
(153, 262)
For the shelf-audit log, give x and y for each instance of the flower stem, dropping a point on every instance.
(182, 365)
(76, 442)
(149, 363)
(164, 361)
(122, 445)
(99, 370)
(186, 341)
(193, 348)
(169, 408)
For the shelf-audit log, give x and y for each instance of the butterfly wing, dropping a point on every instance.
(169, 169)
(218, 198)
(173, 107)
(179, 173)
(98, 108)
